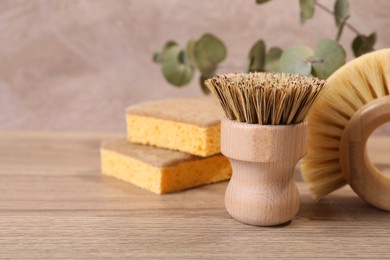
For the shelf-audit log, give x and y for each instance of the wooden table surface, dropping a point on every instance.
(55, 204)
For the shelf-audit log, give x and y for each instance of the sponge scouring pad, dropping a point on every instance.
(160, 170)
(190, 125)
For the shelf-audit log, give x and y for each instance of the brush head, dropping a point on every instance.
(265, 98)
(356, 84)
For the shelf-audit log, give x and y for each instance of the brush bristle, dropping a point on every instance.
(265, 98)
(349, 88)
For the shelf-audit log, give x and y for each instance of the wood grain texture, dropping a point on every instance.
(262, 191)
(54, 204)
(364, 178)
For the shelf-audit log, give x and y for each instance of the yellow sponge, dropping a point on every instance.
(190, 125)
(159, 170)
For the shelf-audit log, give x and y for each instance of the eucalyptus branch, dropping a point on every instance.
(326, 9)
(207, 53)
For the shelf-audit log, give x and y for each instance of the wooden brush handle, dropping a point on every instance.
(262, 191)
(365, 179)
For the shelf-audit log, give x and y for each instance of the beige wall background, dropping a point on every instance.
(76, 65)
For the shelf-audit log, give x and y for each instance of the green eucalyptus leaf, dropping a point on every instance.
(190, 50)
(341, 11)
(329, 55)
(169, 44)
(175, 67)
(272, 59)
(208, 52)
(261, 1)
(363, 44)
(210, 73)
(307, 8)
(372, 38)
(295, 60)
(203, 86)
(158, 56)
(256, 57)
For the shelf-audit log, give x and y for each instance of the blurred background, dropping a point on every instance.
(76, 65)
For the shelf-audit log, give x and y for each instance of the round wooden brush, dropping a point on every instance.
(356, 102)
(263, 136)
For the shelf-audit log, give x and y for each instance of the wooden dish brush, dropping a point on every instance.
(263, 136)
(355, 104)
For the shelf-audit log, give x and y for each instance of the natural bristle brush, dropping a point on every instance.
(263, 136)
(356, 102)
